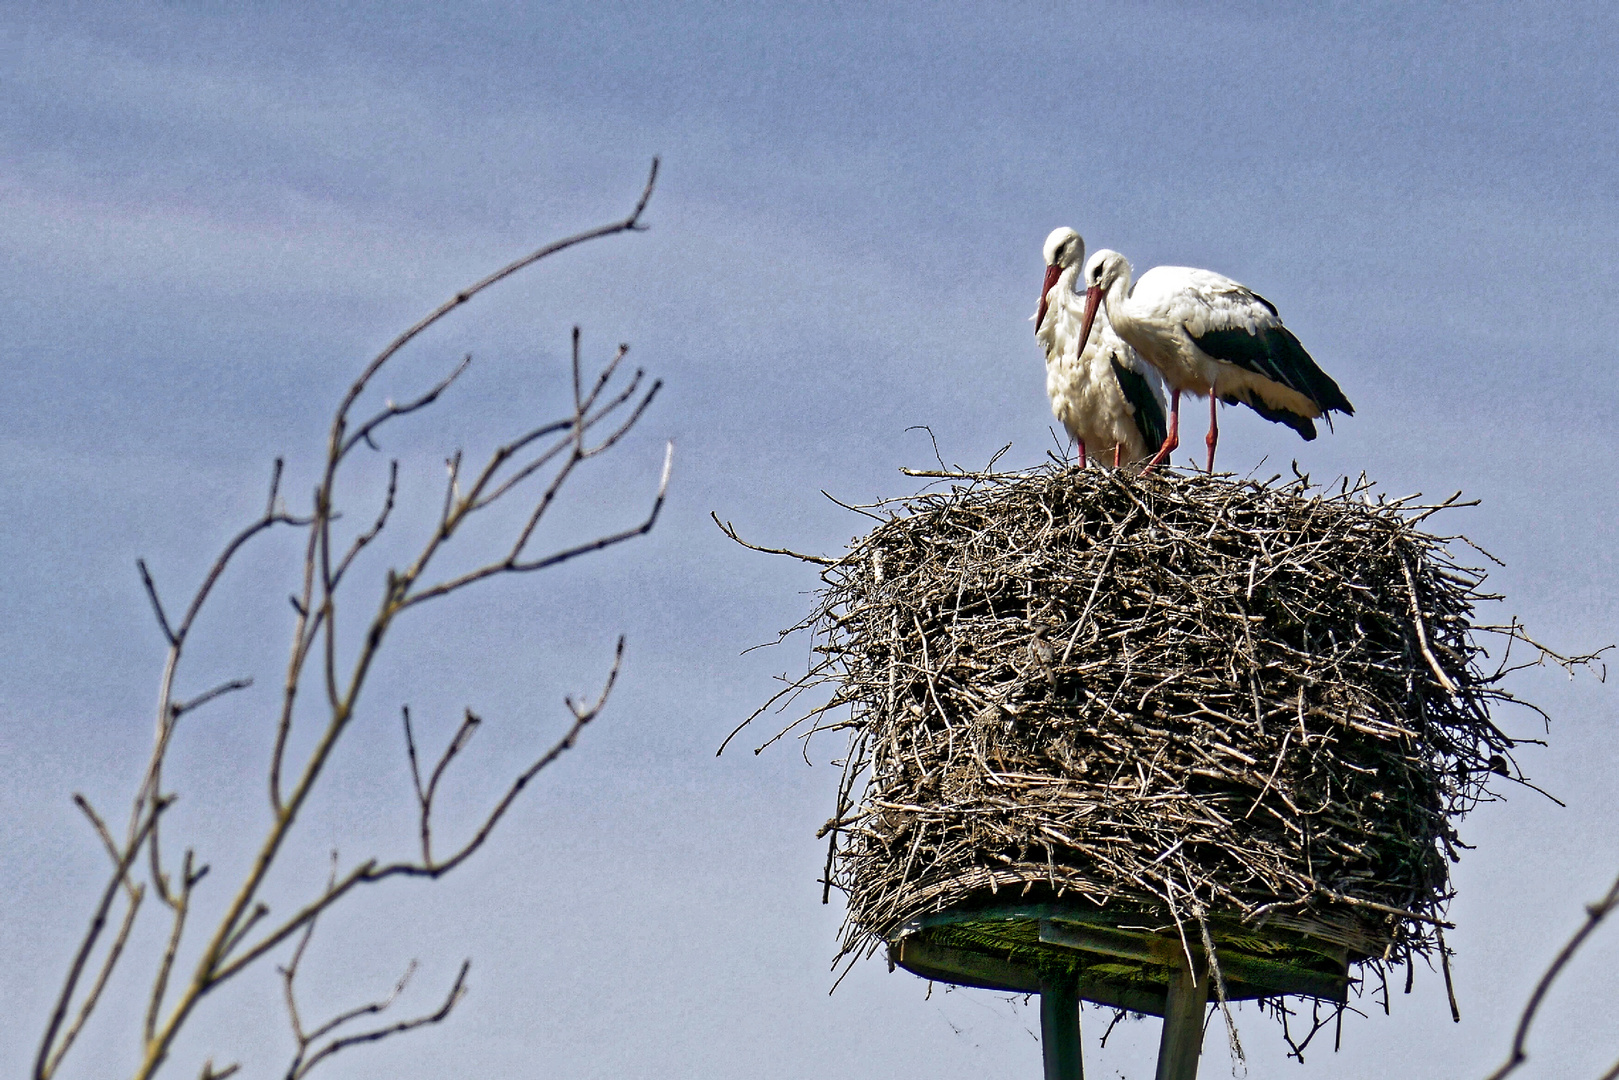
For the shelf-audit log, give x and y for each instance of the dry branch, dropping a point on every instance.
(1594, 914)
(598, 420)
(310, 1050)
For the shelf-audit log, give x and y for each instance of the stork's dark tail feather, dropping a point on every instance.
(1301, 424)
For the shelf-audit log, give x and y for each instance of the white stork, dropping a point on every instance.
(1105, 395)
(1210, 336)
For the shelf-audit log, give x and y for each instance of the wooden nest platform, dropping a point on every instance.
(1099, 720)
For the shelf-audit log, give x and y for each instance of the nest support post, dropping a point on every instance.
(1120, 960)
(1059, 1029)
(1185, 1005)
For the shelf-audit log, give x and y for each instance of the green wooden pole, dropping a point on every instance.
(1182, 1040)
(1059, 1029)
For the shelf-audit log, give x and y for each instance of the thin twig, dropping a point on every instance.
(179, 708)
(1422, 634)
(730, 530)
(390, 410)
(424, 797)
(137, 893)
(457, 992)
(512, 565)
(51, 1048)
(157, 605)
(1594, 914)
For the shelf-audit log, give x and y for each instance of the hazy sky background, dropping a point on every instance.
(210, 215)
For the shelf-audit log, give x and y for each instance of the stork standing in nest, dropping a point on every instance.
(1213, 337)
(1107, 398)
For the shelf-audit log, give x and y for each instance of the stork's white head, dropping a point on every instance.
(1064, 248)
(1102, 270)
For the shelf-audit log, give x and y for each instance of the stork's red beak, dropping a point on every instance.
(1052, 274)
(1093, 300)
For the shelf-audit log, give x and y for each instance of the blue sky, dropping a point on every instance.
(210, 215)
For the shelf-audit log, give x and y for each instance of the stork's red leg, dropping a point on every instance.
(1214, 427)
(1173, 439)
(1117, 449)
(1082, 461)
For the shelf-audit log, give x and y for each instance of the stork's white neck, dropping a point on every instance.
(1065, 282)
(1115, 301)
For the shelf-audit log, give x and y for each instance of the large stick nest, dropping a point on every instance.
(1171, 694)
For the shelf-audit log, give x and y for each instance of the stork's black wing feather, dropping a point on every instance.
(1301, 424)
(1277, 355)
(1149, 412)
(1267, 303)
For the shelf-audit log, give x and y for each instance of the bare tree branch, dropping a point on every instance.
(369, 1009)
(310, 911)
(391, 410)
(370, 872)
(583, 714)
(512, 565)
(463, 735)
(1594, 914)
(410, 752)
(303, 1060)
(452, 465)
(177, 635)
(179, 708)
(624, 426)
(365, 538)
(52, 1050)
(271, 518)
(236, 936)
(601, 416)
(301, 1066)
(629, 224)
(137, 893)
(101, 830)
(610, 539)
(180, 906)
(582, 421)
(500, 457)
(157, 605)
